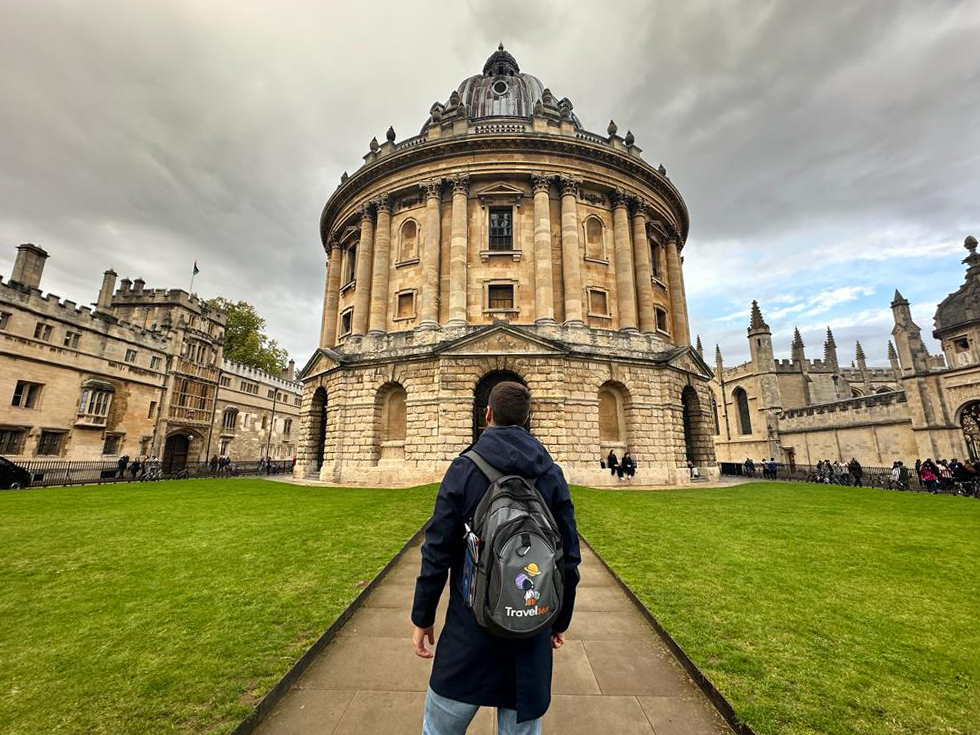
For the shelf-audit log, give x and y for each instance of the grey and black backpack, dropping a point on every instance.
(513, 574)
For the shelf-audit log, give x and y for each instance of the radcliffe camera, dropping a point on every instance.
(520, 369)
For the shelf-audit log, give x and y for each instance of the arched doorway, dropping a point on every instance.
(612, 419)
(481, 397)
(970, 421)
(391, 421)
(175, 453)
(318, 419)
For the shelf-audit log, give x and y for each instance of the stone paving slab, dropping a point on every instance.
(613, 675)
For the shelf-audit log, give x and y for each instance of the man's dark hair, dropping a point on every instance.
(510, 403)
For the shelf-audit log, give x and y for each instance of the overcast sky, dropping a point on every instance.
(828, 151)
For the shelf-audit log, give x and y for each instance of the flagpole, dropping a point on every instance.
(193, 273)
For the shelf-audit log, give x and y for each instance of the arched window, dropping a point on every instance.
(856, 393)
(391, 422)
(885, 389)
(609, 417)
(408, 241)
(613, 432)
(229, 420)
(970, 421)
(594, 245)
(742, 406)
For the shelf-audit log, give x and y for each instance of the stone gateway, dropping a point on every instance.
(504, 242)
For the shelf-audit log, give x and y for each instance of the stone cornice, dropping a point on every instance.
(443, 148)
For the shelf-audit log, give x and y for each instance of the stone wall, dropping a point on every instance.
(565, 415)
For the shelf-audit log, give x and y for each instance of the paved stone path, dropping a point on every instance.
(613, 675)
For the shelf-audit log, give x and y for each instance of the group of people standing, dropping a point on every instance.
(624, 470)
(962, 478)
(139, 469)
(770, 469)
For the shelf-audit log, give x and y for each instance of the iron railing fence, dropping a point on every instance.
(880, 477)
(52, 472)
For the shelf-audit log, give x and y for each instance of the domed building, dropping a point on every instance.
(504, 242)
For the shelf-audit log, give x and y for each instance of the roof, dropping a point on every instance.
(963, 306)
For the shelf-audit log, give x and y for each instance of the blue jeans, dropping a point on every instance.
(448, 717)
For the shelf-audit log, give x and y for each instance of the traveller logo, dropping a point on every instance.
(526, 613)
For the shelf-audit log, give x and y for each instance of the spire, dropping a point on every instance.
(972, 260)
(830, 351)
(859, 353)
(699, 348)
(893, 360)
(718, 354)
(797, 353)
(892, 355)
(899, 299)
(756, 322)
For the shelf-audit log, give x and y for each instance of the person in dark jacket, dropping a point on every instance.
(612, 462)
(472, 667)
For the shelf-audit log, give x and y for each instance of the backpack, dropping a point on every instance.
(513, 572)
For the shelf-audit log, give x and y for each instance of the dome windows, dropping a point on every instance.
(500, 87)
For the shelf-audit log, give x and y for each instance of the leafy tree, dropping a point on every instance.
(245, 338)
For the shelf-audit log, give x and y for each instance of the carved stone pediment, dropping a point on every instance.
(321, 361)
(502, 340)
(688, 360)
(500, 193)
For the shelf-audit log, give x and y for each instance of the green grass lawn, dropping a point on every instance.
(172, 607)
(813, 609)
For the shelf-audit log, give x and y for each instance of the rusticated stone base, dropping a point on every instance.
(564, 369)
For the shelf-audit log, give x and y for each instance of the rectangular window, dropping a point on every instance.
(501, 228)
(655, 261)
(299, 400)
(145, 445)
(50, 443)
(12, 441)
(501, 298)
(71, 339)
(26, 395)
(406, 305)
(248, 387)
(155, 362)
(598, 303)
(111, 443)
(4, 319)
(271, 394)
(661, 320)
(225, 444)
(287, 427)
(346, 322)
(95, 404)
(225, 381)
(42, 332)
(350, 264)
(153, 410)
(130, 355)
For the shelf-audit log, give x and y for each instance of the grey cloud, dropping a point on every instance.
(145, 135)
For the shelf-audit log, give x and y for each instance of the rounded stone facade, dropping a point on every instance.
(504, 241)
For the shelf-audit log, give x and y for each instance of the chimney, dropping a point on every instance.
(291, 370)
(105, 293)
(29, 265)
(138, 285)
(125, 284)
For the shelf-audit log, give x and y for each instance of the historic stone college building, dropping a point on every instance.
(504, 242)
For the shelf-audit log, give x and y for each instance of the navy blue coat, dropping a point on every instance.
(472, 665)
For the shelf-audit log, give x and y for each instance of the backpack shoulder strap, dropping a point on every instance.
(491, 472)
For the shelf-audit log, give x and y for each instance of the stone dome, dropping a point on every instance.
(962, 307)
(502, 90)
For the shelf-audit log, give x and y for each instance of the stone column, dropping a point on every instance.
(429, 313)
(644, 270)
(458, 251)
(379, 277)
(544, 287)
(571, 253)
(362, 287)
(678, 309)
(331, 296)
(623, 250)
